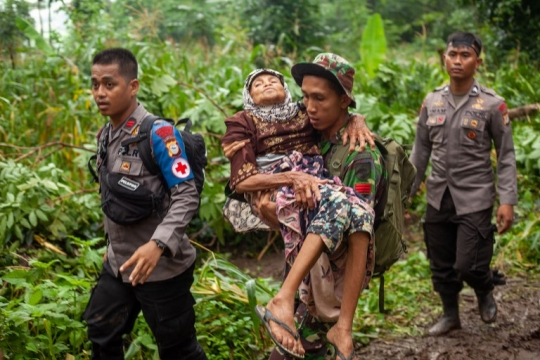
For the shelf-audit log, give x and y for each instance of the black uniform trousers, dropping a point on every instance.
(460, 247)
(167, 307)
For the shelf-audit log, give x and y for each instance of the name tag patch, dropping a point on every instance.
(128, 184)
(436, 120)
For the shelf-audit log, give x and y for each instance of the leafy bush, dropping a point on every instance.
(41, 202)
(41, 304)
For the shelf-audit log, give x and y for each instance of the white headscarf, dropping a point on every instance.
(271, 113)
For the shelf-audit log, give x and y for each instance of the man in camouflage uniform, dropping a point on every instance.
(364, 172)
(456, 128)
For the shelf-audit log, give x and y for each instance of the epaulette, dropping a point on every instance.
(491, 92)
(441, 88)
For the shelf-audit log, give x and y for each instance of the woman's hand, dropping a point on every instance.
(358, 132)
(306, 188)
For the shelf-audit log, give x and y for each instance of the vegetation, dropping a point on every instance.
(194, 56)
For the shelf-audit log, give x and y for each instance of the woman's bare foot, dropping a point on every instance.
(342, 340)
(284, 311)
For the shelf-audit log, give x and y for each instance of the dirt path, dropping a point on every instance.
(515, 335)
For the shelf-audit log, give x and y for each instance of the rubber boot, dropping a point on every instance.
(487, 306)
(450, 319)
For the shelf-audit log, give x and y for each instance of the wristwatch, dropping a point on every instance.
(160, 244)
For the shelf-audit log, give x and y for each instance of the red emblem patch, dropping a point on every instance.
(363, 188)
(503, 109)
(130, 123)
(165, 132)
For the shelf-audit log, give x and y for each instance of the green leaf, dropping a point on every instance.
(28, 29)
(18, 231)
(41, 215)
(25, 223)
(49, 184)
(251, 288)
(3, 227)
(33, 219)
(16, 277)
(373, 44)
(162, 84)
(35, 298)
(31, 346)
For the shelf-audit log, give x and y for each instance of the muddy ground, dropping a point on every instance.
(515, 335)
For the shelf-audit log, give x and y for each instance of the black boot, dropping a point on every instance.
(487, 306)
(450, 319)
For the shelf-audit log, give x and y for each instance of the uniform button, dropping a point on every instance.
(471, 135)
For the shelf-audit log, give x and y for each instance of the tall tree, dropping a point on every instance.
(289, 23)
(10, 35)
(516, 23)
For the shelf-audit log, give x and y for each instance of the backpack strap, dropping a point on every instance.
(381, 293)
(143, 143)
(143, 140)
(338, 160)
(101, 151)
(187, 122)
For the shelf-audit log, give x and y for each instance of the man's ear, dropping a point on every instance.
(478, 62)
(134, 87)
(345, 101)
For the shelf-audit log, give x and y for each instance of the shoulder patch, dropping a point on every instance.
(503, 109)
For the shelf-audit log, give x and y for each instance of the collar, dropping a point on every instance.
(134, 120)
(473, 91)
(333, 140)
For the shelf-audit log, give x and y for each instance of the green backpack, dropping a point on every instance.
(389, 213)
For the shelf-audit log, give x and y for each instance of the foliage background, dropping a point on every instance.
(194, 56)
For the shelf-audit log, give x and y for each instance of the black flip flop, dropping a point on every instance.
(340, 354)
(266, 316)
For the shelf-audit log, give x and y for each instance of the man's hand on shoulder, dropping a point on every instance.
(358, 133)
(505, 218)
(145, 259)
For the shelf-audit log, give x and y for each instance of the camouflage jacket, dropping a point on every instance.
(364, 171)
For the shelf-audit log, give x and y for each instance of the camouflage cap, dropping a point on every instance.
(329, 66)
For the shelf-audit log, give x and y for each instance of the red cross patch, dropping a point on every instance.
(363, 188)
(180, 168)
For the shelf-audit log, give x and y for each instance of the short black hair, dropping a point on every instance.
(127, 63)
(335, 85)
(461, 38)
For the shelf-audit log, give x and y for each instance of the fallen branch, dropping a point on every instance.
(40, 148)
(524, 111)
